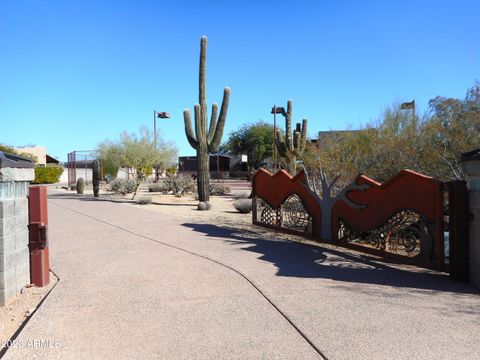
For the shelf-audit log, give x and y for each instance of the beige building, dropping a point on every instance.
(40, 153)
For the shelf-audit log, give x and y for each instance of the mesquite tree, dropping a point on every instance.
(205, 142)
(294, 143)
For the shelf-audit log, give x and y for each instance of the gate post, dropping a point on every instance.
(458, 228)
(38, 241)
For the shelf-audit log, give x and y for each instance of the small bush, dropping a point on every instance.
(73, 187)
(144, 200)
(178, 185)
(47, 175)
(243, 206)
(219, 189)
(172, 170)
(122, 186)
(155, 188)
(80, 185)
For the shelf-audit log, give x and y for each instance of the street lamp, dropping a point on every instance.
(159, 115)
(275, 111)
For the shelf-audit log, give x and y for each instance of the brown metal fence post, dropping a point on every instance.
(38, 241)
(458, 230)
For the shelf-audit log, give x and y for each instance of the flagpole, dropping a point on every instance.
(413, 110)
(274, 138)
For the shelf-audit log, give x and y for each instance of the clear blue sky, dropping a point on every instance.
(73, 73)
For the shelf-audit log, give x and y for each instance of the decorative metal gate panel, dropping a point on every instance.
(403, 218)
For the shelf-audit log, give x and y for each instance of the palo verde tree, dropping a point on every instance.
(205, 141)
(138, 154)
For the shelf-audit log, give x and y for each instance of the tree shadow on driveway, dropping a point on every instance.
(294, 259)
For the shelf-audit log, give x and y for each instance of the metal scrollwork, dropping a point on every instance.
(270, 216)
(406, 233)
(294, 215)
(291, 215)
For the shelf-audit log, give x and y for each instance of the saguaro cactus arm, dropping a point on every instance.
(217, 136)
(199, 124)
(288, 126)
(188, 129)
(282, 149)
(213, 123)
(300, 137)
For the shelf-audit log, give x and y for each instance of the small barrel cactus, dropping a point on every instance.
(96, 178)
(80, 185)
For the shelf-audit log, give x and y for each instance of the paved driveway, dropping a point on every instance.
(136, 284)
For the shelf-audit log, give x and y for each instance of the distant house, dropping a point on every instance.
(335, 135)
(40, 153)
(217, 164)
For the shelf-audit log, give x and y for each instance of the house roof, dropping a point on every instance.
(471, 155)
(51, 160)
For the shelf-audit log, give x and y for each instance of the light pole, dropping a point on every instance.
(159, 115)
(275, 111)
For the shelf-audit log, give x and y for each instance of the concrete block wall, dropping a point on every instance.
(14, 253)
(472, 170)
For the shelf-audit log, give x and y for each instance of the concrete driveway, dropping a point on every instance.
(135, 284)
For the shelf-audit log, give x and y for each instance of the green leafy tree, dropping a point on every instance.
(138, 153)
(254, 140)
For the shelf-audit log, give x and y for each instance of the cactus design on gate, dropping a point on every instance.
(294, 143)
(205, 142)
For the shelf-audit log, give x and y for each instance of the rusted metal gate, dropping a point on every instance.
(412, 218)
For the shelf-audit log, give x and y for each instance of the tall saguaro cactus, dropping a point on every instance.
(294, 143)
(205, 142)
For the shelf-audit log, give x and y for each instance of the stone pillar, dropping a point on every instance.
(471, 168)
(15, 176)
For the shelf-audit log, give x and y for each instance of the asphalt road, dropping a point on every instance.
(136, 284)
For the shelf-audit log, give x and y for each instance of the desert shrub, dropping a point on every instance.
(108, 178)
(171, 170)
(178, 185)
(144, 200)
(219, 189)
(243, 206)
(80, 185)
(47, 175)
(122, 186)
(155, 188)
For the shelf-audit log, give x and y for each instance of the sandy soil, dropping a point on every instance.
(15, 313)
